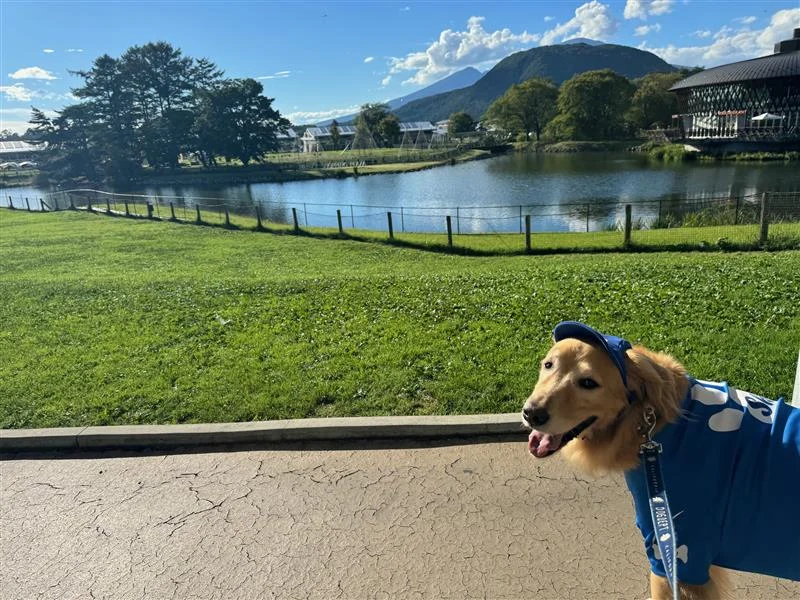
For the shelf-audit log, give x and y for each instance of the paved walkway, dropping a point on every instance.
(467, 521)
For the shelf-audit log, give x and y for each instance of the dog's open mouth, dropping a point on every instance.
(544, 444)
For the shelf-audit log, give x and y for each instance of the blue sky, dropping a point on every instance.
(323, 59)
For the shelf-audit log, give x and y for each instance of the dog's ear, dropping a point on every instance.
(656, 379)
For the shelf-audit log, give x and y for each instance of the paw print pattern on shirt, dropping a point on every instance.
(735, 402)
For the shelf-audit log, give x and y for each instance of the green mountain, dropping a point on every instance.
(557, 63)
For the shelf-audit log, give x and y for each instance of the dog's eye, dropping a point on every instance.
(588, 384)
(548, 365)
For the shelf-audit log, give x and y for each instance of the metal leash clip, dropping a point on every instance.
(650, 423)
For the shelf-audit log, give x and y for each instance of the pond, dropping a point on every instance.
(561, 192)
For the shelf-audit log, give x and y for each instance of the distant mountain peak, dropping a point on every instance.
(558, 63)
(460, 79)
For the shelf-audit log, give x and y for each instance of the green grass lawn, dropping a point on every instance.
(112, 321)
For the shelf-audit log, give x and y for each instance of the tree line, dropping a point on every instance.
(148, 107)
(594, 105)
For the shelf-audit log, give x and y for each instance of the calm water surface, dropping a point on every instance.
(561, 192)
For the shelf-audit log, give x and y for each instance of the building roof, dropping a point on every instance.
(417, 126)
(767, 67)
(14, 147)
(345, 130)
(289, 134)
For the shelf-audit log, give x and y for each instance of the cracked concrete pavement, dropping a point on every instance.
(449, 521)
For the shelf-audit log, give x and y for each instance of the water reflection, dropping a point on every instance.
(560, 192)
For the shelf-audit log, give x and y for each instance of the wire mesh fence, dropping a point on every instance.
(770, 219)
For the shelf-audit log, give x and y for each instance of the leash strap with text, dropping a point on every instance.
(660, 513)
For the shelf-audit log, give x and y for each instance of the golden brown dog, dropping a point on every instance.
(591, 404)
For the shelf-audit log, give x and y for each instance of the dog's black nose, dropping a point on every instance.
(536, 417)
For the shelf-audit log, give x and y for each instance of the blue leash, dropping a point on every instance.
(659, 505)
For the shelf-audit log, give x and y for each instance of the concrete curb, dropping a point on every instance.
(292, 430)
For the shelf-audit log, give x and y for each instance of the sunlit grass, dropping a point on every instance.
(113, 320)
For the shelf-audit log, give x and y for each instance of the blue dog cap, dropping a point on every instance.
(614, 346)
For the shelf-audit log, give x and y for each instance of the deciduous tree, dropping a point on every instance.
(460, 122)
(652, 102)
(593, 104)
(525, 107)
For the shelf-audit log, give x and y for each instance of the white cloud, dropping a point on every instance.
(746, 20)
(643, 30)
(369, 59)
(640, 9)
(592, 20)
(32, 73)
(548, 18)
(16, 119)
(701, 33)
(386, 80)
(455, 50)
(16, 93)
(301, 117)
(276, 75)
(74, 49)
(48, 50)
(731, 45)
(19, 93)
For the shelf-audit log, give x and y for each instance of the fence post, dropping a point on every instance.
(149, 210)
(391, 229)
(627, 241)
(259, 225)
(227, 218)
(588, 210)
(72, 202)
(10, 203)
(28, 204)
(89, 203)
(197, 208)
(294, 218)
(305, 213)
(172, 212)
(339, 220)
(736, 214)
(762, 238)
(352, 218)
(44, 205)
(402, 221)
(449, 232)
(520, 218)
(527, 233)
(458, 220)
(108, 205)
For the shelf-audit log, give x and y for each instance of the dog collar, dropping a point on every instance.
(615, 347)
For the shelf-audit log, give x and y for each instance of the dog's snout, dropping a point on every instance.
(536, 417)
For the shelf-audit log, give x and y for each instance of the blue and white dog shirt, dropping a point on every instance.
(731, 466)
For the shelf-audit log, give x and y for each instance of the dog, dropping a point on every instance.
(730, 459)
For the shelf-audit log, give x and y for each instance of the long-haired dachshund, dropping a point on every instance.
(730, 459)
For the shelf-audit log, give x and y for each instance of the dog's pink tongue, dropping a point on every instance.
(543, 444)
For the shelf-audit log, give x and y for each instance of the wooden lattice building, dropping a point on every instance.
(754, 100)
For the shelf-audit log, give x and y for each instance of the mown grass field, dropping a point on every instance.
(112, 321)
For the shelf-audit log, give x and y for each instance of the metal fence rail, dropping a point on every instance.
(703, 221)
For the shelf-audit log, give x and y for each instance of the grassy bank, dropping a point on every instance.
(577, 146)
(17, 178)
(109, 321)
(319, 165)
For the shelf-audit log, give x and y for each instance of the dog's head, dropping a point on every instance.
(579, 390)
(587, 381)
